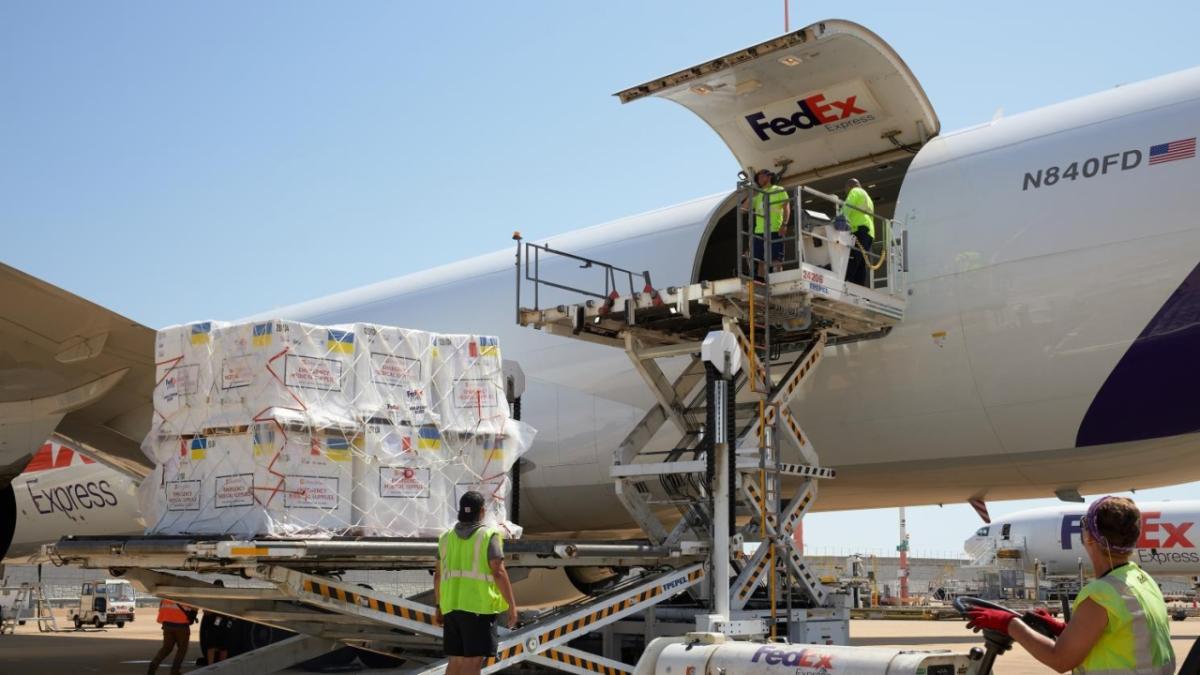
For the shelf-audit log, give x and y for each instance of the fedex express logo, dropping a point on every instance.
(834, 109)
(793, 658)
(1155, 532)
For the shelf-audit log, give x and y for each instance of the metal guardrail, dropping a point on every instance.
(530, 254)
(802, 228)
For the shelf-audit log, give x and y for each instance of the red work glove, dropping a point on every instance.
(994, 619)
(1056, 625)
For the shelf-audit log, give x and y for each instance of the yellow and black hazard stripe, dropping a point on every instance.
(752, 581)
(505, 654)
(583, 663)
(614, 608)
(811, 360)
(359, 600)
(791, 422)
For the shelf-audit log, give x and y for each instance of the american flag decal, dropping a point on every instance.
(1169, 152)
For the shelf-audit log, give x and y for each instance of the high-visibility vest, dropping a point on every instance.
(861, 214)
(778, 198)
(170, 611)
(1137, 638)
(467, 583)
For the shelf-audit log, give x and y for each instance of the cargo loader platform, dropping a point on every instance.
(743, 348)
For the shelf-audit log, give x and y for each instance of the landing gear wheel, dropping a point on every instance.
(78, 623)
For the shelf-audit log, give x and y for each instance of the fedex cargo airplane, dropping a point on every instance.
(1051, 536)
(1052, 318)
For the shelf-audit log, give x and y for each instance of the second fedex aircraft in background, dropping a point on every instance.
(1051, 537)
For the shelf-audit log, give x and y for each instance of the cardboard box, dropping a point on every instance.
(468, 384)
(393, 373)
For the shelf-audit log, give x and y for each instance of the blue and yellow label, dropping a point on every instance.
(201, 333)
(340, 341)
(264, 441)
(428, 438)
(338, 448)
(261, 334)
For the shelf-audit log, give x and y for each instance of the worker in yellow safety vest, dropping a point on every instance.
(1119, 622)
(859, 212)
(769, 203)
(471, 588)
(176, 620)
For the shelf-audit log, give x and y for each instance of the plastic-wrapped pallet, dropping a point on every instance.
(307, 482)
(401, 488)
(203, 485)
(283, 364)
(280, 428)
(468, 384)
(183, 383)
(394, 374)
(271, 478)
(485, 466)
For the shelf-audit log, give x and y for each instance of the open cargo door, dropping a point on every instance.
(822, 100)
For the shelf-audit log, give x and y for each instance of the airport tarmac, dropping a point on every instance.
(128, 649)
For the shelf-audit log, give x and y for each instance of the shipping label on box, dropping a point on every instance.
(475, 395)
(179, 380)
(404, 482)
(237, 372)
(311, 492)
(395, 371)
(310, 372)
(234, 490)
(182, 495)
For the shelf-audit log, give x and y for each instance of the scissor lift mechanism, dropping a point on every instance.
(791, 317)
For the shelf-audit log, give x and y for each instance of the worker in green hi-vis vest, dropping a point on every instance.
(471, 588)
(770, 202)
(859, 212)
(1119, 623)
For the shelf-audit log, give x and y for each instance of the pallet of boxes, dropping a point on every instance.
(287, 429)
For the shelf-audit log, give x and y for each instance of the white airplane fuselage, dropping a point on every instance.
(1051, 537)
(1053, 283)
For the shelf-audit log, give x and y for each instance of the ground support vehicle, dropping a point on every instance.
(104, 602)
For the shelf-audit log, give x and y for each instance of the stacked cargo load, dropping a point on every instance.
(282, 428)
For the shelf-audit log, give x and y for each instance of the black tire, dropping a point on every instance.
(97, 622)
(78, 623)
(120, 624)
(245, 636)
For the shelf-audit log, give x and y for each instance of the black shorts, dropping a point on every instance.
(467, 634)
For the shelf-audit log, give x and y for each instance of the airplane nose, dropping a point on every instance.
(1145, 395)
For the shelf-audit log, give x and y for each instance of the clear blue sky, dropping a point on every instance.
(182, 160)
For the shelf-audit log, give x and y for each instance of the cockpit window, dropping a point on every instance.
(982, 532)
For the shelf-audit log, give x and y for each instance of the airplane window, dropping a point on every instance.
(982, 532)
